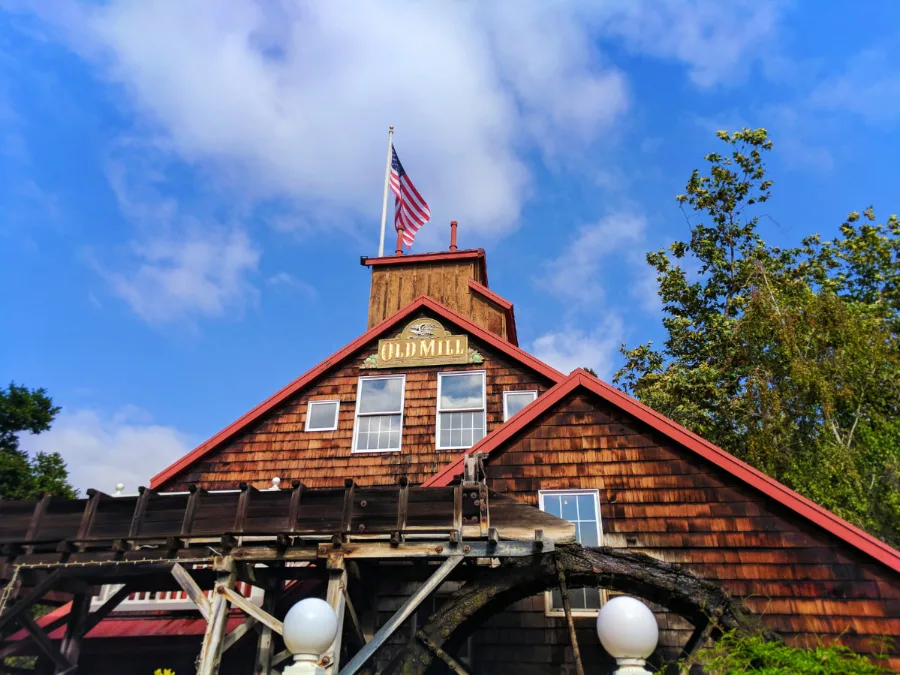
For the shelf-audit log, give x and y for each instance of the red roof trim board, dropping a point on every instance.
(501, 302)
(756, 479)
(422, 302)
(477, 253)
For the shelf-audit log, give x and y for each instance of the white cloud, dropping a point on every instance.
(101, 450)
(717, 41)
(574, 274)
(572, 348)
(292, 99)
(200, 272)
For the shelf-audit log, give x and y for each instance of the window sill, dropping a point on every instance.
(370, 452)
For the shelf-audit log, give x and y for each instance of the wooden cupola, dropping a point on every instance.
(457, 279)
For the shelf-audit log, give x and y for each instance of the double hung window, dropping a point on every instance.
(379, 414)
(582, 508)
(460, 409)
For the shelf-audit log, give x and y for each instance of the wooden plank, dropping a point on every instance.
(334, 596)
(190, 512)
(296, 496)
(194, 592)
(140, 510)
(249, 608)
(213, 639)
(403, 504)
(264, 646)
(90, 512)
(34, 525)
(243, 506)
(347, 515)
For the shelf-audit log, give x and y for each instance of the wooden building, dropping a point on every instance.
(438, 376)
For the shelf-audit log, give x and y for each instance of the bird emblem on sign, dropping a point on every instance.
(423, 330)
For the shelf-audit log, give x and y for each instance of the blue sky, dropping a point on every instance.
(187, 186)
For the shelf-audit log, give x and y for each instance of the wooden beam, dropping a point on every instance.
(45, 645)
(37, 516)
(35, 594)
(90, 512)
(281, 657)
(194, 592)
(106, 608)
(401, 615)
(356, 627)
(248, 608)
(264, 646)
(190, 510)
(243, 505)
(347, 516)
(140, 508)
(294, 511)
(334, 596)
(211, 651)
(570, 623)
(71, 643)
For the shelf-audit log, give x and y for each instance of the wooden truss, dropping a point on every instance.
(342, 539)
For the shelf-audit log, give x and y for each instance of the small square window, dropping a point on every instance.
(514, 401)
(322, 415)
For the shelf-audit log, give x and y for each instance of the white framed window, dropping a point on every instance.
(322, 415)
(460, 409)
(582, 508)
(514, 401)
(379, 414)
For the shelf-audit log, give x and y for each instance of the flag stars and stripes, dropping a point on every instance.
(410, 211)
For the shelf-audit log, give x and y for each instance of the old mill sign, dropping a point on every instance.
(424, 342)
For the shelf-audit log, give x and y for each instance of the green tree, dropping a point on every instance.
(21, 476)
(788, 359)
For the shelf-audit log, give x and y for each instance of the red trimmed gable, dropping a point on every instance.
(507, 350)
(581, 379)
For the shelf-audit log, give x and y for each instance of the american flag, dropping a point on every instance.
(410, 211)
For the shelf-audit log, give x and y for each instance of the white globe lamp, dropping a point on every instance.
(309, 630)
(628, 632)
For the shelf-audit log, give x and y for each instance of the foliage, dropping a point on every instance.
(163, 671)
(753, 654)
(21, 476)
(788, 359)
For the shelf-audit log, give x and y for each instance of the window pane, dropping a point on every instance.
(587, 534)
(556, 600)
(321, 415)
(586, 509)
(380, 396)
(445, 437)
(460, 429)
(462, 391)
(551, 505)
(378, 432)
(516, 401)
(592, 598)
(569, 507)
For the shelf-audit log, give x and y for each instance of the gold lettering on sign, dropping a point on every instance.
(424, 342)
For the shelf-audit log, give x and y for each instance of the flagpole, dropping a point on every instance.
(387, 180)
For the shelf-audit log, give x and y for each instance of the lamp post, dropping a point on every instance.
(309, 630)
(628, 632)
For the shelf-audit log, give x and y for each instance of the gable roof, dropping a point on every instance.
(756, 479)
(422, 302)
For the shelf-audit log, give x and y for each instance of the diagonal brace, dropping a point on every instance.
(402, 614)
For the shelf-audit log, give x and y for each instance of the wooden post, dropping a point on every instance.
(140, 508)
(71, 644)
(337, 581)
(264, 644)
(296, 496)
(211, 651)
(570, 623)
